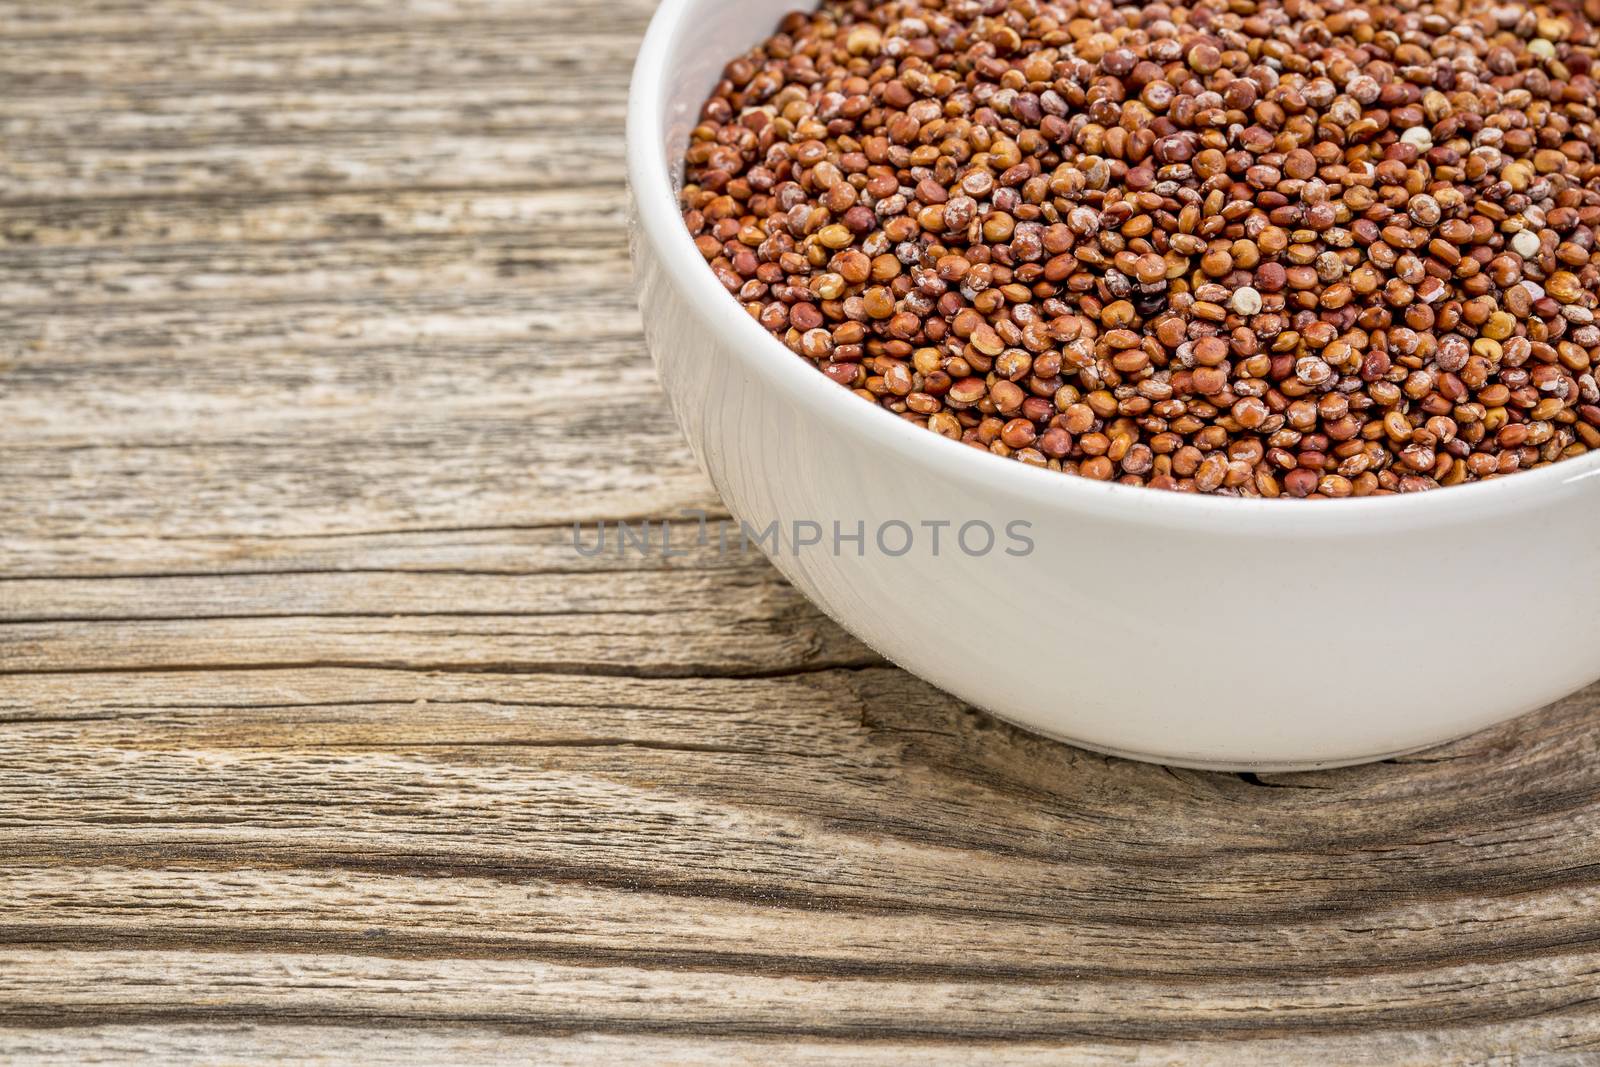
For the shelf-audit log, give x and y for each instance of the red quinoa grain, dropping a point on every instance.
(1242, 247)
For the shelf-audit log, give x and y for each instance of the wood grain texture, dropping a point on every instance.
(319, 742)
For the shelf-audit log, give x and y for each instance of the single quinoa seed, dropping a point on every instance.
(1266, 248)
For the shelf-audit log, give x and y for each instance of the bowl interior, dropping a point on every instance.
(688, 45)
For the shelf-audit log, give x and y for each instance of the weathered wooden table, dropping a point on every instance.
(318, 739)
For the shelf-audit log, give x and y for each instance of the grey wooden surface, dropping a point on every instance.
(319, 741)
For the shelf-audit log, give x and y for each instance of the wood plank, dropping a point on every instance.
(304, 1043)
(113, 227)
(138, 19)
(337, 987)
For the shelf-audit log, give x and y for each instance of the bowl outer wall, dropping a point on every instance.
(1168, 626)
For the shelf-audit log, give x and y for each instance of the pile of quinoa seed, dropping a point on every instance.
(1243, 247)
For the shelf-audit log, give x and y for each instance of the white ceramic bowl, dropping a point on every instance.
(1204, 632)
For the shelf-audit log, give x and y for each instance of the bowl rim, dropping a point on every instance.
(658, 220)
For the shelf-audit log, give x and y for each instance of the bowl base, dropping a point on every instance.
(1227, 766)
